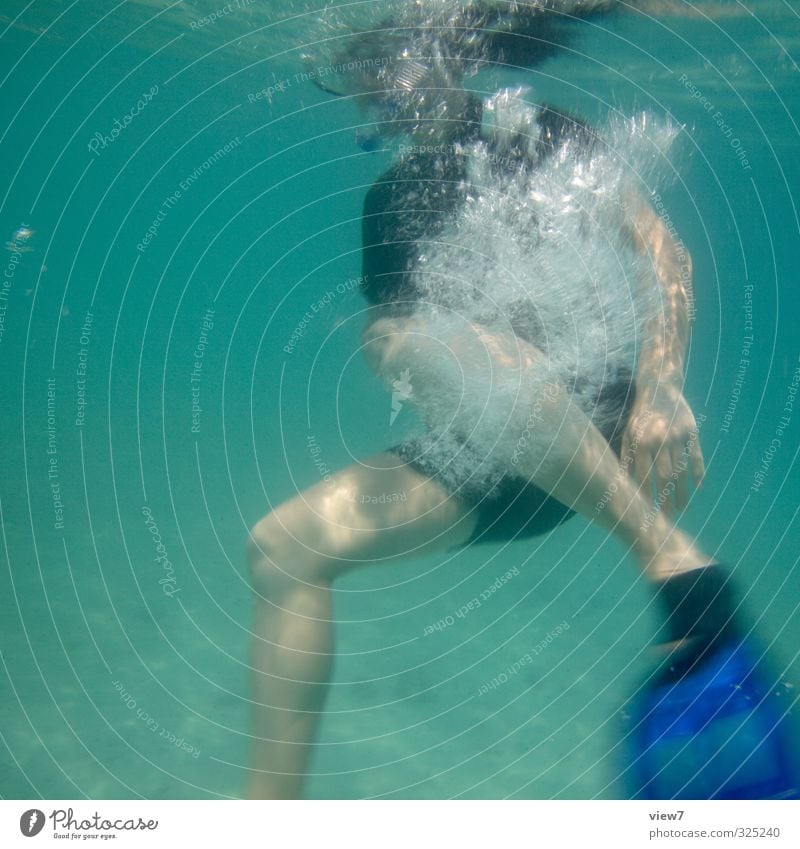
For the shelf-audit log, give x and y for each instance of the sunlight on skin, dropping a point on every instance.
(295, 554)
(578, 466)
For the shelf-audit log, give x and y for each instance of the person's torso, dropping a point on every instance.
(410, 205)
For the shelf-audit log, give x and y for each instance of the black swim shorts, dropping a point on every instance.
(513, 508)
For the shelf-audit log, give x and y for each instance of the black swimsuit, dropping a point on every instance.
(410, 205)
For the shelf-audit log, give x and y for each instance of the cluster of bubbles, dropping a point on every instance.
(547, 255)
(541, 249)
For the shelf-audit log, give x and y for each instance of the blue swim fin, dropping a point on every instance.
(713, 723)
(720, 732)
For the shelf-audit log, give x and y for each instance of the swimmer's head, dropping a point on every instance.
(407, 68)
(407, 96)
(400, 92)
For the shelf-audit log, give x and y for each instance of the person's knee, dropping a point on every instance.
(279, 559)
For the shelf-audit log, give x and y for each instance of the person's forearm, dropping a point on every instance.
(663, 357)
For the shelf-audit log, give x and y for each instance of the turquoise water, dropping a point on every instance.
(125, 675)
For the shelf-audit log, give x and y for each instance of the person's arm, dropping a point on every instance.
(662, 434)
(664, 357)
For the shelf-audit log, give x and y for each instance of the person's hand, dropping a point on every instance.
(661, 446)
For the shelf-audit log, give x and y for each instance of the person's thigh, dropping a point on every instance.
(377, 510)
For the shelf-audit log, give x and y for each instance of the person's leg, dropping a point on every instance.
(295, 553)
(579, 468)
(582, 471)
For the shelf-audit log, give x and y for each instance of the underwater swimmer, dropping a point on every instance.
(568, 464)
